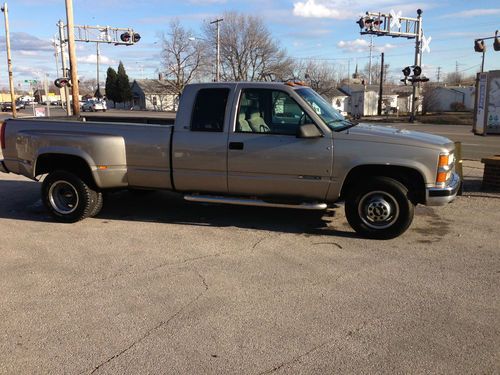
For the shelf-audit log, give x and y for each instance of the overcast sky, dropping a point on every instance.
(323, 30)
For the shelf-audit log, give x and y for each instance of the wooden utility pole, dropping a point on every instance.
(381, 87)
(9, 60)
(72, 57)
(217, 62)
(60, 25)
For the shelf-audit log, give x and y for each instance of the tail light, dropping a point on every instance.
(3, 125)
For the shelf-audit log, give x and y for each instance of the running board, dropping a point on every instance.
(253, 202)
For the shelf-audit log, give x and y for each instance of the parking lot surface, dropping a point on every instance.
(158, 285)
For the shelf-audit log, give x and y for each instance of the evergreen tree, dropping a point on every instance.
(124, 92)
(112, 85)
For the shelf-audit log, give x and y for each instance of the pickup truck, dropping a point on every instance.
(260, 144)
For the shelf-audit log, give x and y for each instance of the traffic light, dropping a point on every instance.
(62, 82)
(479, 46)
(416, 77)
(125, 37)
(368, 23)
(496, 43)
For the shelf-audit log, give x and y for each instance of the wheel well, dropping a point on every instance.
(410, 178)
(48, 163)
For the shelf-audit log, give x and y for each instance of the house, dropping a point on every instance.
(340, 101)
(153, 95)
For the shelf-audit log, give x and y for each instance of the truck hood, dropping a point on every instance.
(383, 134)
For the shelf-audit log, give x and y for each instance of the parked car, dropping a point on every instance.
(255, 144)
(7, 106)
(94, 105)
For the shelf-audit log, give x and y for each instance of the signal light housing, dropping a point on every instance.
(479, 46)
(125, 37)
(496, 43)
(62, 82)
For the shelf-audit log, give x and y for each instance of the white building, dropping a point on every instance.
(153, 95)
(451, 98)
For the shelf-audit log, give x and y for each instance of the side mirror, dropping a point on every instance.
(309, 131)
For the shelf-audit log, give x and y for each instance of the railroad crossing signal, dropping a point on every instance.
(104, 34)
(416, 77)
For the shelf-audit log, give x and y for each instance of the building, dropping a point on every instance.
(340, 101)
(153, 95)
(363, 99)
(453, 98)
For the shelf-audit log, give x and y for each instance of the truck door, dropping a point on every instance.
(265, 156)
(199, 156)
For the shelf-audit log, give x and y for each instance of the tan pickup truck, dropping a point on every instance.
(263, 144)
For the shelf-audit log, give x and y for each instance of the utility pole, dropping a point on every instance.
(370, 62)
(217, 66)
(98, 91)
(72, 57)
(381, 87)
(56, 55)
(47, 102)
(64, 68)
(418, 62)
(9, 59)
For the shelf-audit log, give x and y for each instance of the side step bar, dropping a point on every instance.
(252, 202)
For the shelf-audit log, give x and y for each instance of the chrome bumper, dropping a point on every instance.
(3, 168)
(442, 196)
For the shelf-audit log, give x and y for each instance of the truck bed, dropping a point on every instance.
(130, 154)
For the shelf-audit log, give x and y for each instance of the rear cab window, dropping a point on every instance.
(209, 110)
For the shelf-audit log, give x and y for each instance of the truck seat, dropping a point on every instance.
(243, 125)
(257, 123)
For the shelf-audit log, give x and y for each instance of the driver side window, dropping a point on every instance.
(269, 111)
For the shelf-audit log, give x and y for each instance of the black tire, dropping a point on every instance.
(67, 197)
(97, 205)
(379, 208)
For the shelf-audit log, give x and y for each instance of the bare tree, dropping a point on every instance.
(376, 72)
(430, 101)
(247, 50)
(321, 76)
(183, 57)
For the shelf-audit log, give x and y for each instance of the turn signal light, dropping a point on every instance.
(442, 177)
(443, 160)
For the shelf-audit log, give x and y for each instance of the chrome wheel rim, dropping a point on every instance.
(63, 197)
(378, 209)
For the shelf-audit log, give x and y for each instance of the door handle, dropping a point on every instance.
(236, 145)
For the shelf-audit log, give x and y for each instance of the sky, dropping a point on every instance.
(319, 30)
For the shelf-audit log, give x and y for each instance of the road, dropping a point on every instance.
(158, 285)
(474, 147)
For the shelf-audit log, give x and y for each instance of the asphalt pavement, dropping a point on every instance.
(156, 285)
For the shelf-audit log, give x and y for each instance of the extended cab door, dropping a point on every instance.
(199, 142)
(265, 156)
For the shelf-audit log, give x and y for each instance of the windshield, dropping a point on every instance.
(320, 106)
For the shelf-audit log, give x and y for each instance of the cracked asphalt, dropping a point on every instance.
(158, 285)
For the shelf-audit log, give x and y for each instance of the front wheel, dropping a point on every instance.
(68, 198)
(380, 208)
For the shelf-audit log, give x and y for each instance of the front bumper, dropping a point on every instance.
(442, 196)
(3, 168)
